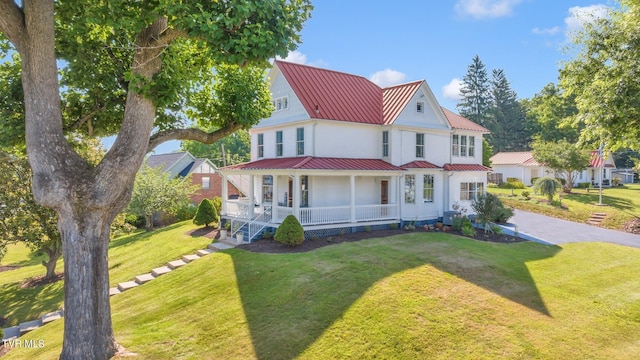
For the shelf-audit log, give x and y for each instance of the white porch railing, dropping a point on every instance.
(259, 222)
(239, 209)
(376, 212)
(324, 215)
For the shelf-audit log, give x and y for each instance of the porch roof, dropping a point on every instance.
(466, 167)
(316, 163)
(420, 165)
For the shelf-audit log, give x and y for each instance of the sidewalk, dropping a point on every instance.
(558, 231)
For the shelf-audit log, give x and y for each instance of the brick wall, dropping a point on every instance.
(215, 188)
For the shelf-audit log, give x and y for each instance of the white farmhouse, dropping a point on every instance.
(340, 152)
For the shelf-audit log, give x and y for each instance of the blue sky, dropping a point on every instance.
(398, 41)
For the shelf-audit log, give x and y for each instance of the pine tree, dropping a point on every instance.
(206, 213)
(475, 101)
(507, 121)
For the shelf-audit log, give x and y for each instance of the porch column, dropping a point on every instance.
(295, 196)
(352, 197)
(274, 200)
(252, 195)
(225, 194)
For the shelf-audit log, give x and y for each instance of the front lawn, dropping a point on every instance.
(623, 203)
(129, 256)
(411, 296)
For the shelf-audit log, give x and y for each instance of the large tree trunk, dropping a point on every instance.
(87, 325)
(52, 259)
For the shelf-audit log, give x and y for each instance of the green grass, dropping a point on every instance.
(129, 256)
(623, 203)
(412, 296)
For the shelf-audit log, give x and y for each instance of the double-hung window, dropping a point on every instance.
(472, 146)
(410, 189)
(427, 188)
(279, 146)
(206, 182)
(304, 191)
(385, 143)
(463, 145)
(300, 141)
(455, 145)
(260, 145)
(419, 145)
(267, 188)
(470, 191)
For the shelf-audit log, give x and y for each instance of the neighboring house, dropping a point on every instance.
(592, 173)
(339, 151)
(626, 176)
(523, 166)
(520, 165)
(203, 174)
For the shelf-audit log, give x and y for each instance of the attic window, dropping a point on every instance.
(281, 103)
(420, 107)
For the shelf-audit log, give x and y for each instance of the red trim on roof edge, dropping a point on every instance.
(466, 167)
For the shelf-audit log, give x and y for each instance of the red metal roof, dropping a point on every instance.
(595, 161)
(315, 163)
(466, 167)
(333, 95)
(395, 98)
(458, 122)
(524, 158)
(420, 165)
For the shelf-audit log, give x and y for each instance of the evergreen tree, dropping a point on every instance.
(507, 122)
(206, 213)
(475, 101)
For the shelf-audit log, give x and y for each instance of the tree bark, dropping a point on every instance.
(53, 256)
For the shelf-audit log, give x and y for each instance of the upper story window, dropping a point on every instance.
(206, 182)
(279, 146)
(260, 145)
(419, 145)
(463, 145)
(281, 103)
(300, 141)
(455, 145)
(420, 107)
(385, 143)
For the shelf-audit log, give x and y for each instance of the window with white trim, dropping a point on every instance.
(455, 143)
(472, 146)
(304, 191)
(279, 146)
(420, 107)
(300, 141)
(206, 182)
(260, 145)
(419, 145)
(267, 188)
(410, 189)
(385, 143)
(427, 188)
(463, 145)
(281, 103)
(471, 190)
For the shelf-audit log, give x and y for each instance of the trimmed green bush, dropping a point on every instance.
(290, 232)
(186, 212)
(489, 208)
(217, 203)
(584, 185)
(206, 214)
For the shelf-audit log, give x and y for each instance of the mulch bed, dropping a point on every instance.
(632, 226)
(273, 247)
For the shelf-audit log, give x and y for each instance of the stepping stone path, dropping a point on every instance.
(16, 331)
(596, 218)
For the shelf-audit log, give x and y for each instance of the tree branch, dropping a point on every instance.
(12, 23)
(191, 134)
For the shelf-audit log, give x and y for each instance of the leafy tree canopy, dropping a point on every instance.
(564, 158)
(551, 114)
(605, 78)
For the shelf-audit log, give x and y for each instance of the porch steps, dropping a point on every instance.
(596, 218)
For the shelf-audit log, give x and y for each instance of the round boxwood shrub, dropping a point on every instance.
(290, 232)
(206, 214)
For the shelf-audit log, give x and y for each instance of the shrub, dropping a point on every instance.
(584, 185)
(290, 232)
(467, 230)
(512, 185)
(135, 220)
(562, 181)
(512, 179)
(1, 333)
(489, 208)
(547, 186)
(217, 203)
(533, 180)
(459, 222)
(525, 194)
(267, 234)
(393, 226)
(492, 186)
(186, 212)
(495, 229)
(206, 214)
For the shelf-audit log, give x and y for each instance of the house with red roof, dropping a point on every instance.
(339, 151)
(520, 165)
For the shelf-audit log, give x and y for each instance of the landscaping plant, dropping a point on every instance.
(489, 208)
(547, 186)
(290, 232)
(206, 214)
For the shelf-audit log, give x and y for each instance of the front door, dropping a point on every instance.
(384, 192)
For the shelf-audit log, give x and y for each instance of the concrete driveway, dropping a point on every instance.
(558, 231)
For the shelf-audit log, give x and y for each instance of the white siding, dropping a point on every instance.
(279, 88)
(477, 158)
(454, 186)
(424, 210)
(348, 140)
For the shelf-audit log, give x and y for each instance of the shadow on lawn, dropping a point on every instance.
(592, 198)
(287, 311)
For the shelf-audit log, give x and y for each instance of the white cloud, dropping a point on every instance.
(452, 89)
(548, 31)
(580, 15)
(387, 77)
(481, 9)
(296, 57)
